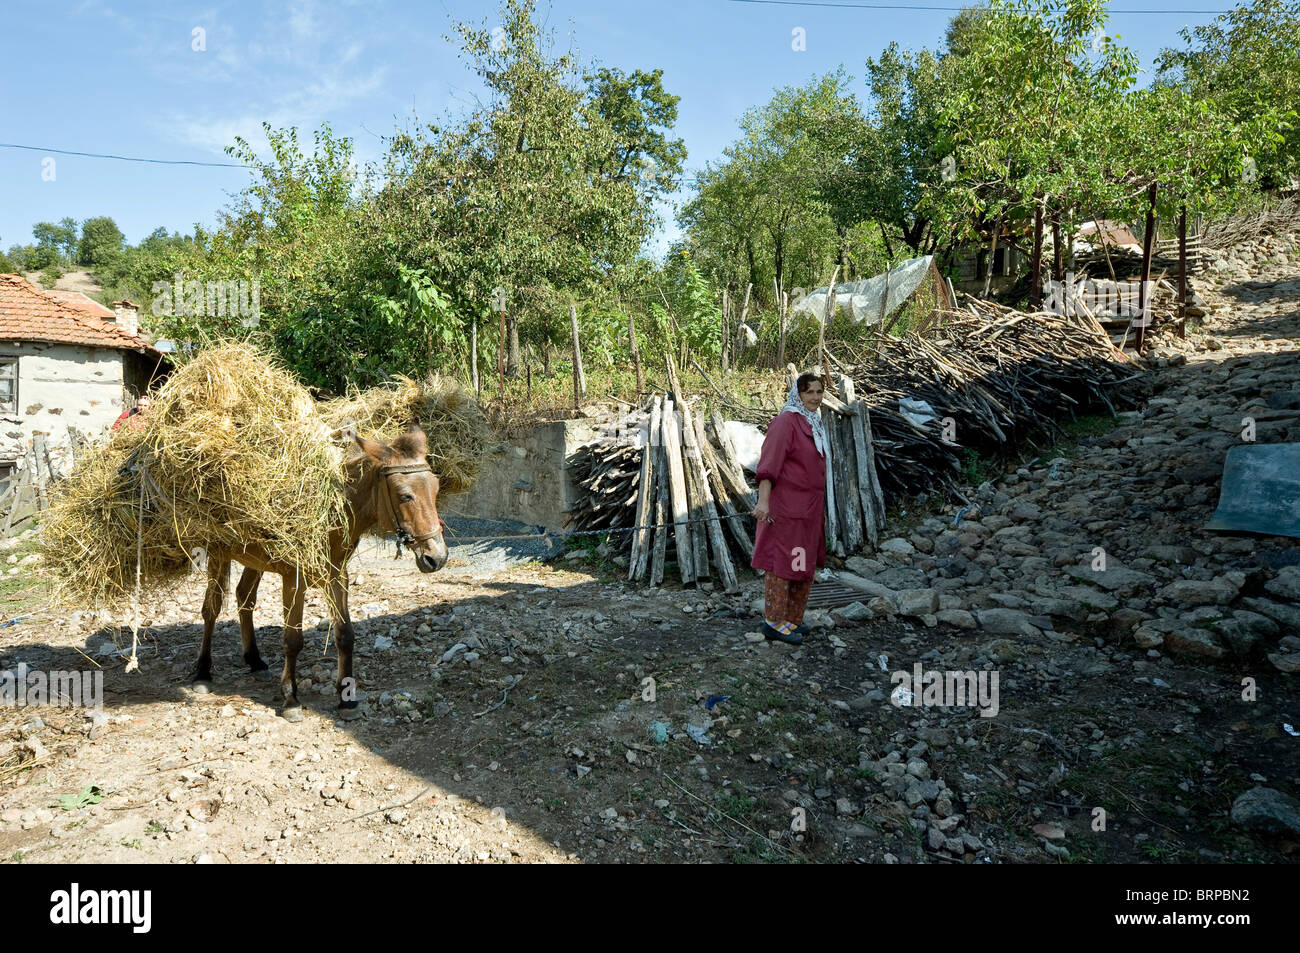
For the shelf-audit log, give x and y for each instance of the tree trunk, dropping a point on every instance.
(1036, 262)
(993, 252)
(884, 235)
(1058, 273)
(1148, 245)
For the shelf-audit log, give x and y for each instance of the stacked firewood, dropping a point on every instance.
(991, 379)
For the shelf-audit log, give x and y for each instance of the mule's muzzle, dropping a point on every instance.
(435, 557)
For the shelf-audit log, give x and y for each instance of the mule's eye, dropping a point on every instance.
(407, 498)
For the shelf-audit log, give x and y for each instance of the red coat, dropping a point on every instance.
(793, 546)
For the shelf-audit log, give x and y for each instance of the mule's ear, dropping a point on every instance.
(415, 441)
(374, 450)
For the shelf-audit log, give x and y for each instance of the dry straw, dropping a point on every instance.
(234, 453)
(459, 437)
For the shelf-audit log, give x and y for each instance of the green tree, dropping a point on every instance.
(1247, 61)
(101, 241)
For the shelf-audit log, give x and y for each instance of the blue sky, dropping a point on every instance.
(122, 77)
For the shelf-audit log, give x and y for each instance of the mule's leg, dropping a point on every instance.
(246, 599)
(344, 638)
(295, 593)
(213, 600)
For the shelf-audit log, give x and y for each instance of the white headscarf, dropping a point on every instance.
(794, 405)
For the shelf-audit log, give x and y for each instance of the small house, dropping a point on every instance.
(68, 367)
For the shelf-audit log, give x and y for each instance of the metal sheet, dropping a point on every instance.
(1260, 492)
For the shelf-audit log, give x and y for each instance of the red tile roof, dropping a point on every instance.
(28, 313)
(80, 303)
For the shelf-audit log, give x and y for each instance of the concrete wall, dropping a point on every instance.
(60, 385)
(526, 479)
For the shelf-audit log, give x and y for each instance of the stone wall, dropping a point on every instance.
(526, 479)
(60, 385)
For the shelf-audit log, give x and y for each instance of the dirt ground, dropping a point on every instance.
(567, 769)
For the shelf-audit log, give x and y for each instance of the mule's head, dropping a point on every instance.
(406, 496)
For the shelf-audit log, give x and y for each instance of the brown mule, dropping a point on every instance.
(391, 485)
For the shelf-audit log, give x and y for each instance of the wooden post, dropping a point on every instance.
(1036, 262)
(501, 353)
(784, 308)
(473, 356)
(677, 492)
(636, 354)
(884, 298)
(528, 374)
(1182, 271)
(830, 313)
(708, 471)
(1058, 273)
(579, 378)
(662, 505)
(1148, 240)
(744, 310)
(833, 543)
(726, 334)
(638, 560)
(993, 252)
(865, 464)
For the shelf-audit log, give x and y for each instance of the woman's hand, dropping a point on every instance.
(761, 511)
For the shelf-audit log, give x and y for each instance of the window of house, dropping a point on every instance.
(8, 385)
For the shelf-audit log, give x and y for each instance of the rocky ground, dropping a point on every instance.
(1146, 707)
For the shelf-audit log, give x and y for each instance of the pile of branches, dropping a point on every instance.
(1278, 220)
(1001, 376)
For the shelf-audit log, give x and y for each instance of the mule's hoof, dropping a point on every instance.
(201, 686)
(292, 714)
(349, 711)
(263, 675)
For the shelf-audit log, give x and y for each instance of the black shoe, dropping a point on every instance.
(772, 635)
(801, 630)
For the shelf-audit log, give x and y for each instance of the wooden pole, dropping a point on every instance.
(744, 309)
(473, 356)
(865, 460)
(677, 492)
(638, 562)
(1148, 240)
(784, 307)
(1182, 271)
(636, 354)
(830, 313)
(1036, 262)
(726, 333)
(579, 378)
(501, 353)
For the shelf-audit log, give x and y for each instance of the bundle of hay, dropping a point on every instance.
(459, 437)
(233, 453)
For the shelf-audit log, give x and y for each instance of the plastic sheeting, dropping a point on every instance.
(862, 299)
(1260, 491)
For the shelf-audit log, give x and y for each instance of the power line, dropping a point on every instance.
(101, 155)
(934, 9)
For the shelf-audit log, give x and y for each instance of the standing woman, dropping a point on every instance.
(790, 544)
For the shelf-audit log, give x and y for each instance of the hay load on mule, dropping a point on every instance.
(459, 437)
(235, 452)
